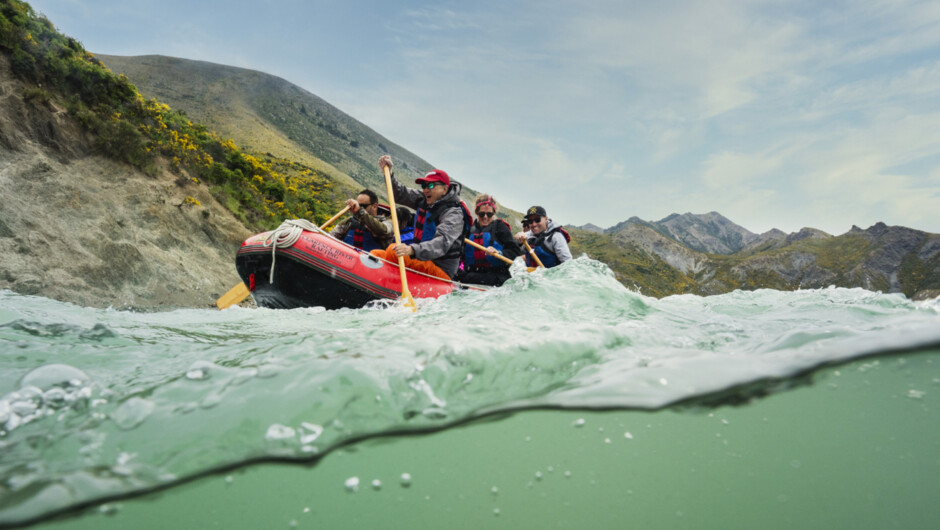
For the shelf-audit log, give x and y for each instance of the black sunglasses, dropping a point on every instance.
(486, 214)
(364, 205)
(534, 219)
(428, 185)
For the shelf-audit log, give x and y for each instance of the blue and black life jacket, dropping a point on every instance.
(408, 235)
(426, 219)
(476, 259)
(548, 258)
(361, 237)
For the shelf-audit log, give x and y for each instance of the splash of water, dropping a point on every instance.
(101, 403)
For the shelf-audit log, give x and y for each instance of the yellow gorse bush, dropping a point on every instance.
(136, 130)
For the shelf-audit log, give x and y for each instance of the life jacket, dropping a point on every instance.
(426, 220)
(476, 259)
(548, 258)
(408, 235)
(361, 237)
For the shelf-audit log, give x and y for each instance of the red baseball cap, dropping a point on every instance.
(435, 175)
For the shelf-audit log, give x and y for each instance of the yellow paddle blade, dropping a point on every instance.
(408, 302)
(235, 295)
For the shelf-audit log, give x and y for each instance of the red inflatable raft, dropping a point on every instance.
(319, 270)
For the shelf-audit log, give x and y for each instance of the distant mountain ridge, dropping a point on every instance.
(657, 257)
(711, 233)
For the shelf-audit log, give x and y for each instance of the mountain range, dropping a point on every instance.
(709, 254)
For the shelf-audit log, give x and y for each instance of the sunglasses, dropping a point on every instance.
(364, 205)
(534, 219)
(429, 185)
(486, 214)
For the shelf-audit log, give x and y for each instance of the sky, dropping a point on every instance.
(776, 114)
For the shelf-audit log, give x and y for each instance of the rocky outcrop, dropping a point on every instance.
(711, 233)
(85, 229)
(893, 246)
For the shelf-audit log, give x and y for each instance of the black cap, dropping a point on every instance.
(536, 210)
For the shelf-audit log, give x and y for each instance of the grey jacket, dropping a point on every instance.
(450, 226)
(556, 243)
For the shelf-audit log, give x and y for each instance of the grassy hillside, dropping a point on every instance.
(632, 266)
(261, 189)
(268, 114)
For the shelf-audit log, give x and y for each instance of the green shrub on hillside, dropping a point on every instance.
(141, 132)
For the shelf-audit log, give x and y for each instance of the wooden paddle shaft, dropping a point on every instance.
(334, 218)
(481, 247)
(534, 255)
(405, 294)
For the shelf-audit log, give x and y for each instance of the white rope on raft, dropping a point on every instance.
(285, 236)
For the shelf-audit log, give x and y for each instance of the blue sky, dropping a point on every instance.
(777, 114)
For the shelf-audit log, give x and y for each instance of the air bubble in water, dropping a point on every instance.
(314, 432)
(132, 413)
(55, 397)
(52, 375)
(406, 480)
(376, 484)
(352, 484)
(578, 422)
(279, 432)
(199, 370)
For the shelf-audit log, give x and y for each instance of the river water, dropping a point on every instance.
(559, 400)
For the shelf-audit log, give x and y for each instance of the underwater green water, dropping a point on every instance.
(859, 448)
(559, 400)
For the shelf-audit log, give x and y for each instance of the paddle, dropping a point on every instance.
(334, 218)
(238, 293)
(534, 255)
(481, 247)
(407, 300)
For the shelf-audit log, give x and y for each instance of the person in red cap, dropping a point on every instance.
(439, 224)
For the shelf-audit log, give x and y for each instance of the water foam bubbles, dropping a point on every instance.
(279, 432)
(309, 432)
(199, 370)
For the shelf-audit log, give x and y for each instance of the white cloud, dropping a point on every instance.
(727, 169)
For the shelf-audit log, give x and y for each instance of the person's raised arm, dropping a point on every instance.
(403, 194)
